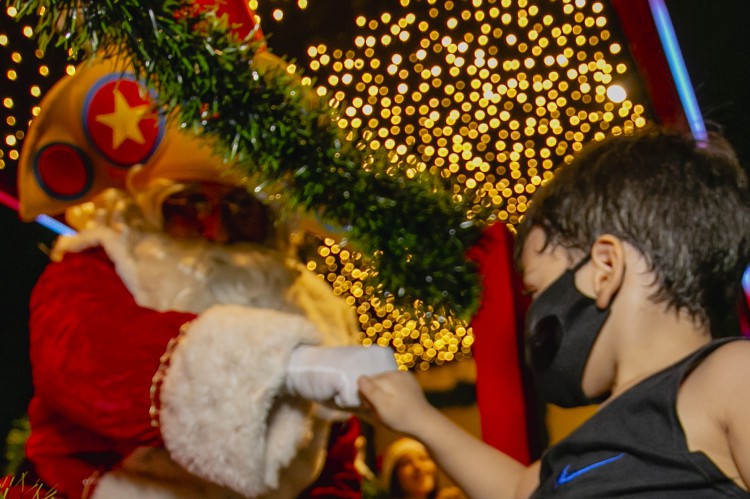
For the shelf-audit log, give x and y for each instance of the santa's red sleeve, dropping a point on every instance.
(94, 352)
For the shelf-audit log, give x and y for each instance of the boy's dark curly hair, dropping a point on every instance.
(683, 204)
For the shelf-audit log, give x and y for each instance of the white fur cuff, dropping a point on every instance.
(220, 392)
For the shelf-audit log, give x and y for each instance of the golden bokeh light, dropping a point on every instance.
(487, 95)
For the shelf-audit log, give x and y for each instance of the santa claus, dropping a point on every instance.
(178, 347)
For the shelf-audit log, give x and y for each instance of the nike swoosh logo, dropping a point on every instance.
(566, 477)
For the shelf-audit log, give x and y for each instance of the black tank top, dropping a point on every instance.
(635, 447)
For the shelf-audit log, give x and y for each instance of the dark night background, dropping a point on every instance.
(715, 41)
(714, 36)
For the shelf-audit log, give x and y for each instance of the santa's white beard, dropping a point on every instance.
(190, 276)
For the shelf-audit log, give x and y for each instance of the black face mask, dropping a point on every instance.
(561, 327)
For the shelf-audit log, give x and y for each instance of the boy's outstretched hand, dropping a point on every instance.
(396, 399)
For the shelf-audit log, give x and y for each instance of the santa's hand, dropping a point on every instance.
(329, 374)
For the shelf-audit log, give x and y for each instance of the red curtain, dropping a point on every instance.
(507, 414)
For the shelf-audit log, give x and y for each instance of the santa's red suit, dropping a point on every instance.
(102, 316)
(159, 365)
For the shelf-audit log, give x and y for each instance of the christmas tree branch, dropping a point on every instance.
(408, 229)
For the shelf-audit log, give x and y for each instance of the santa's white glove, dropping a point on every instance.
(329, 374)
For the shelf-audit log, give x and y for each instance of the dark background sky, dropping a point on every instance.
(714, 36)
(715, 39)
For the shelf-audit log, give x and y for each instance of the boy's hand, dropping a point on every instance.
(396, 399)
(478, 469)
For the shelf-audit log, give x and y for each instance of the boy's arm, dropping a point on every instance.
(479, 469)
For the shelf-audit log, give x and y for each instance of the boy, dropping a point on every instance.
(633, 256)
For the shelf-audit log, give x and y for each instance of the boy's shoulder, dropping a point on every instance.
(713, 405)
(722, 375)
(729, 364)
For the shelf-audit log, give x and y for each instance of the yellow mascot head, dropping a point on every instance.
(100, 129)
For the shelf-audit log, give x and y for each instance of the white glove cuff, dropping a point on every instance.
(329, 374)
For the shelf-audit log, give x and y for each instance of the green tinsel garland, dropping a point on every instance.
(15, 445)
(408, 229)
(15, 452)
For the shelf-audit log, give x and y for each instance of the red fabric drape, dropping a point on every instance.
(637, 24)
(504, 410)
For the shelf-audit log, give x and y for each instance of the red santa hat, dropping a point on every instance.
(395, 451)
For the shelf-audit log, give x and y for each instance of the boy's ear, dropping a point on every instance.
(608, 261)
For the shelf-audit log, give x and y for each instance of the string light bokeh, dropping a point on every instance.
(28, 73)
(489, 95)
